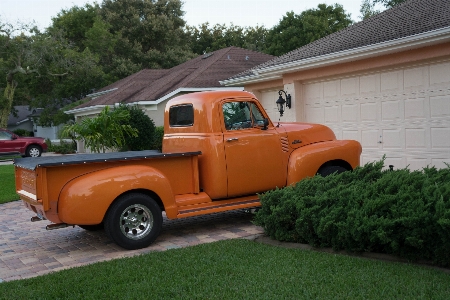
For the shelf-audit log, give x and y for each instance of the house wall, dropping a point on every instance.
(396, 105)
(28, 125)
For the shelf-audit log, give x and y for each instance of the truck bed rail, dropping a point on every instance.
(31, 163)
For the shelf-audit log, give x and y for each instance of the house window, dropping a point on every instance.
(181, 115)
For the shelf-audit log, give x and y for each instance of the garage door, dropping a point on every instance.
(403, 113)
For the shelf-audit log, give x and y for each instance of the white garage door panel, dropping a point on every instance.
(416, 138)
(415, 108)
(440, 106)
(403, 114)
(440, 138)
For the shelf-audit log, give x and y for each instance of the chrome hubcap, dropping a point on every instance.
(136, 221)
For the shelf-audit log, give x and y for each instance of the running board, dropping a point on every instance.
(218, 206)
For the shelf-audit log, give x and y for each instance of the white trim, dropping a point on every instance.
(191, 90)
(27, 194)
(155, 102)
(85, 109)
(22, 121)
(410, 42)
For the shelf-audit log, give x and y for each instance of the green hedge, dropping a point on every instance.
(62, 148)
(400, 212)
(158, 138)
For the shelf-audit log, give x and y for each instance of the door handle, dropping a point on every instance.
(232, 139)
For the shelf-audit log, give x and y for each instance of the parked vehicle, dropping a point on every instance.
(11, 143)
(220, 150)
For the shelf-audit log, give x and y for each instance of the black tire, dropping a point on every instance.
(133, 221)
(34, 151)
(328, 170)
(92, 227)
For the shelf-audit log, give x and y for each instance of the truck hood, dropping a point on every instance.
(302, 134)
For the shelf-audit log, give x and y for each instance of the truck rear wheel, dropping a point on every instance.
(133, 221)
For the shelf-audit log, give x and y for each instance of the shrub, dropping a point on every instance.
(145, 126)
(158, 138)
(63, 147)
(401, 212)
(23, 132)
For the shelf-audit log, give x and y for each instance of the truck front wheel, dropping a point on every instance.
(328, 170)
(133, 221)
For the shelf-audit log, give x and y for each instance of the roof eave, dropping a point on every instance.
(410, 42)
(86, 109)
(180, 90)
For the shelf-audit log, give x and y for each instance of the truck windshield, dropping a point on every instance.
(241, 115)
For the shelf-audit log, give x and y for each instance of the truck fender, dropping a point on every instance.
(306, 161)
(86, 199)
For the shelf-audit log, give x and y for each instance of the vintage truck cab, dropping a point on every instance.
(220, 150)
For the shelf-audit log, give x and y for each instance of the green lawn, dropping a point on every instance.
(7, 184)
(236, 269)
(231, 269)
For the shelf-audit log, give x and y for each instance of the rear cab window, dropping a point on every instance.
(181, 115)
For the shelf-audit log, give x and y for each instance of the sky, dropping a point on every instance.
(244, 13)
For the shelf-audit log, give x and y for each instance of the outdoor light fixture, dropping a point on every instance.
(280, 102)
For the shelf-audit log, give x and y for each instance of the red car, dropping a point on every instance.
(11, 143)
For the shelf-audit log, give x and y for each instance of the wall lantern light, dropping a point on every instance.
(280, 102)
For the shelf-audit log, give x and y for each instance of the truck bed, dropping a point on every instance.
(31, 163)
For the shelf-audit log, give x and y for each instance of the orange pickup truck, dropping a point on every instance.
(219, 151)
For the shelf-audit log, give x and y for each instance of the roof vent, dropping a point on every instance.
(206, 55)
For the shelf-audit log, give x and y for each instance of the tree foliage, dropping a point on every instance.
(389, 3)
(40, 67)
(91, 46)
(206, 38)
(368, 8)
(145, 126)
(295, 31)
(106, 131)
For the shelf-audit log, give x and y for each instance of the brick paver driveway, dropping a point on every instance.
(28, 250)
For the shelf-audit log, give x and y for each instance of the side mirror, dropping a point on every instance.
(14, 137)
(265, 123)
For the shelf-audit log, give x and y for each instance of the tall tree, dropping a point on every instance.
(367, 9)
(150, 31)
(295, 31)
(40, 66)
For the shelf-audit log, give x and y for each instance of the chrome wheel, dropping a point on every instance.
(133, 221)
(136, 221)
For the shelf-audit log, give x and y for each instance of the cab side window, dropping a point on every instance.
(241, 115)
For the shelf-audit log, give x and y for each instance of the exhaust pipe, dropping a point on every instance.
(56, 226)
(35, 219)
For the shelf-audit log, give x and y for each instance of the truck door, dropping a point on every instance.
(253, 154)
